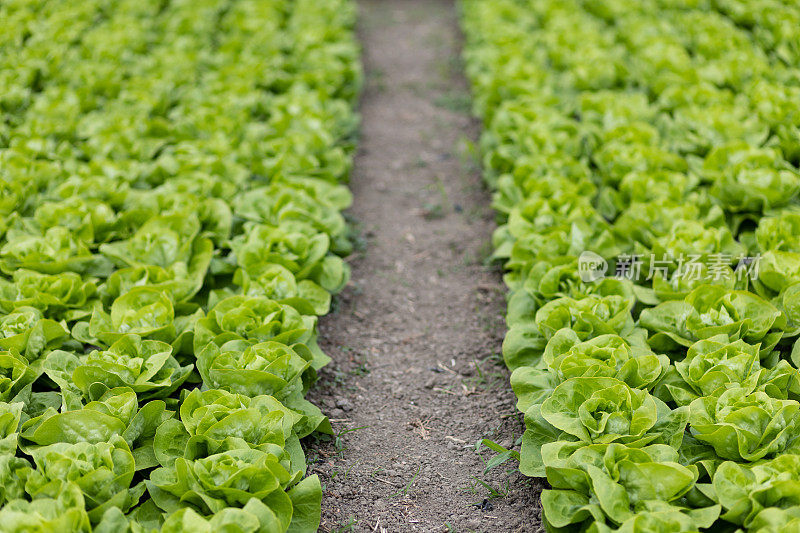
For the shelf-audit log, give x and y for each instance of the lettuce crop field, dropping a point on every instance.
(644, 156)
(171, 181)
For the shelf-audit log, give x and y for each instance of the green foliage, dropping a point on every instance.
(668, 131)
(172, 177)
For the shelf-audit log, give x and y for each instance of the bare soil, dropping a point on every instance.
(417, 379)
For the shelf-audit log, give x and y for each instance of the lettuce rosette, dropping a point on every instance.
(747, 179)
(215, 420)
(315, 207)
(537, 180)
(103, 471)
(64, 296)
(10, 415)
(269, 368)
(12, 468)
(714, 365)
(231, 479)
(590, 316)
(55, 251)
(776, 104)
(13, 471)
(254, 517)
(764, 496)
(746, 426)
(594, 410)
(16, 374)
(276, 282)
(163, 241)
(251, 369)
(608, 356)
(545, 266)
(91, 220)
(610, 484)
(255, 320)
(146, 367)
(545, 281)
(144, 311)
(303, 253)
(116, 412)
(633, 147)
(25, 331)
(711, 310)
(64, 512)
(641, 224)
(175, 281)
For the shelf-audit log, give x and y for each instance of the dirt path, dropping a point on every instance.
(416, 335)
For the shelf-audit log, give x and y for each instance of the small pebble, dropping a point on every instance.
(344, 404)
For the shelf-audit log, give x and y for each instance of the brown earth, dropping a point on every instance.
(417, 379)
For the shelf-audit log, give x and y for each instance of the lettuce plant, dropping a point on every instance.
(64, 512)
(716, 364)
(61, 296)
(711, 310)
(660, 136)
(145, 366)
(611, 483)
(598, 411)
(103, 471)
(760, 495)
(745, 426)
(27, 332)
(215, 420)
(226, 479)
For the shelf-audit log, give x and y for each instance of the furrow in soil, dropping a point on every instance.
(417, 378)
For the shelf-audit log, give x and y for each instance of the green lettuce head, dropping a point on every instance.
(145, 366)
(612, 483)
(13, 471)
(750, 179)
(266, 368)
(252, 319)
(714, 365)
(58, 296)
(227, 479)
(598, 411)
(16, 373)
(745, 426)
(10, 414)
(175, 281)
(26, 332)
(763, 494)
(116, 412)
(88, 219)
(254, 517)
(590, 316)
(144, 311)
(103, 471)
(57, 251)
(779, 263)
(64, 512)
(215, 420)
(276, 282)
(304, 254)
(610, 356)
(711, 310)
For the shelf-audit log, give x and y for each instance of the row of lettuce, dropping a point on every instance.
(171, 188)
(663, 136)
